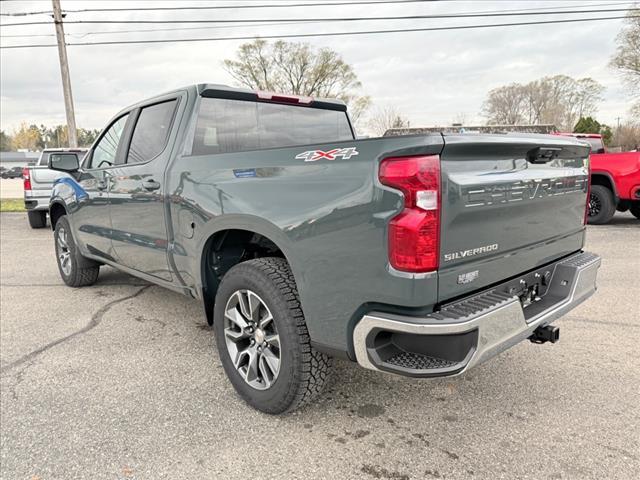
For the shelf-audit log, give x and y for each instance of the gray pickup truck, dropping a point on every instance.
(38, 181)
(417, 255)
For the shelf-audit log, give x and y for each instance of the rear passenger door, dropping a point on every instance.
(137, 191)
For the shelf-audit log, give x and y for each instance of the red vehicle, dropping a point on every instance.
(615, 180)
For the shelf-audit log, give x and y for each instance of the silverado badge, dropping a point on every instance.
(470, 253)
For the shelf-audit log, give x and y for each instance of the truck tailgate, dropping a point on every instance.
(510, 203)
(42, 178)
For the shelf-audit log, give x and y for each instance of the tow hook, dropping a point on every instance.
(547, 333)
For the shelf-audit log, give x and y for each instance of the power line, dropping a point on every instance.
(336, 19)
(331, 34)
(152, 30)
(277, 23)
(320, 4)
(220, 7)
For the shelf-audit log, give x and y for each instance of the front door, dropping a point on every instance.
(91, 219)
(137, 190)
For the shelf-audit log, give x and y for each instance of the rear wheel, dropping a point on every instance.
(75, 270)
(37, 218)
(262, 337)
(635, 210)
(601, 205)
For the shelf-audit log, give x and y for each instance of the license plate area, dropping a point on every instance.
(531, 287)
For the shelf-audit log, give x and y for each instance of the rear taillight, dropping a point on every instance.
(414, 234)
(26, 178)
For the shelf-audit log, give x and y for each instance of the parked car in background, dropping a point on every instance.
(15, 172)
(615, 180)
(420, 255)
(38, 180)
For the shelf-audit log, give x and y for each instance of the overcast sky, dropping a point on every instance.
(433, 78)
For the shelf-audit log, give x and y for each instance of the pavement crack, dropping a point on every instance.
(96, 318)
(17, 378)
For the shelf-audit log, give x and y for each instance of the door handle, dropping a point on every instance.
(150, 185)
(101, 185)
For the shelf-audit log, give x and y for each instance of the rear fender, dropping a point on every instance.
(248, 223)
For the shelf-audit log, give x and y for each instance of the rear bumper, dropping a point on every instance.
(470, 331)
(37, 201)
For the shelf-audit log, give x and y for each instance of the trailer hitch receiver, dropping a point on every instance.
(546, 333)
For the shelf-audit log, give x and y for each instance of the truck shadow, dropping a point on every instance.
(620, 220)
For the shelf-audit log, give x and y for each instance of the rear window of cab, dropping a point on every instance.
(226, 126)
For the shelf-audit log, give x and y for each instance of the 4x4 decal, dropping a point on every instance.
(313, 155)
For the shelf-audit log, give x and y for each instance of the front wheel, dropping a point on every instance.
(601, 205)
(635, 210)
(75, 270)
(262, 337)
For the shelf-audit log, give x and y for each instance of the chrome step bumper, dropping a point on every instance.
(470, 331)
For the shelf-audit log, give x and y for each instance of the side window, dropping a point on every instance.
(151, 132)
(107, 147)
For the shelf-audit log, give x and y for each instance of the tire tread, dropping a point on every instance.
(85, 271)
(608, 205)
(309, 368)
(316, 365)
(37, 218)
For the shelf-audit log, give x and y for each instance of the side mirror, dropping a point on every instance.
(64, 162)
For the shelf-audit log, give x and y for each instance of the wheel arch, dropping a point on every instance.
(233, 243)
(606, 180)
(56, 210)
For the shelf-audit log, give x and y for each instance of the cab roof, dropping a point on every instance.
(224, 91)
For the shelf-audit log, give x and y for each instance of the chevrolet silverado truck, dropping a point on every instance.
(417, 255)
(615, 180)
(38, 180)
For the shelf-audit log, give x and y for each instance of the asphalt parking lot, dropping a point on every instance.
(121, 380)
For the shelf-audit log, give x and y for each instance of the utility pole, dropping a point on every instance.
(64, 70)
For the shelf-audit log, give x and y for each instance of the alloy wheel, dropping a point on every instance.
(64, 254)
(595, 205)
(252, 339)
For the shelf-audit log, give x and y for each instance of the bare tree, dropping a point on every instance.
(386, 118)
(627, 59)
(627, 136)
(461, 118)
(299, 69)
(559, 100)
(505, 105)
(358, 107)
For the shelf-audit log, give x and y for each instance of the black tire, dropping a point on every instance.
(635, 210)
(601, 205)
(303, 370)
(37, 218)
(75, 270)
